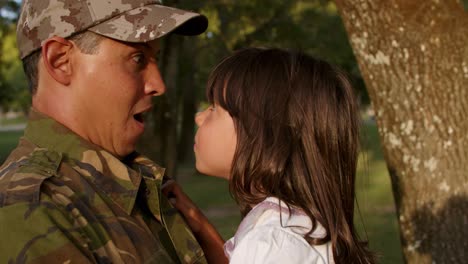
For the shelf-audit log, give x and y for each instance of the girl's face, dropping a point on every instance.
(215, 142)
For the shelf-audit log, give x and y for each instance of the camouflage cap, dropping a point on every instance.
(125, 20)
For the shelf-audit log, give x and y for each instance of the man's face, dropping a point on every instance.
(112, 91)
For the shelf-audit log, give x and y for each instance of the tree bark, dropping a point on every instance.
(413, 56)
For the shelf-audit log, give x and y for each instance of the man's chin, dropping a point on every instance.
(125, 151)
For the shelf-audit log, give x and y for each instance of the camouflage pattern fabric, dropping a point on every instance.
(64, 200)
(125, 20)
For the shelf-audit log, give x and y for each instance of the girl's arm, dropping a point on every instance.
(205, 233)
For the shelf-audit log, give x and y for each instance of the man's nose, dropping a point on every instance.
(154, 84)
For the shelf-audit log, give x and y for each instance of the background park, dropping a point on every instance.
(408, 60)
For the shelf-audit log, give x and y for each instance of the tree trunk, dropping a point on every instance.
(188, 103)
(170, 111)
(413, 56)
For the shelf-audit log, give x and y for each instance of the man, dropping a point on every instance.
(74, 190)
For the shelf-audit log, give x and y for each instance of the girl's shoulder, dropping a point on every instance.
(272, 230)
(272, 212)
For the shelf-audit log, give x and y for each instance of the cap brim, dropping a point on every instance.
(150, 22)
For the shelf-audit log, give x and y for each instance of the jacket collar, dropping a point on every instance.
(119, 180)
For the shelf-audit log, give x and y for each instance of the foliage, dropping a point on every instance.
(314, 27)
(14, 94)
(13, 87)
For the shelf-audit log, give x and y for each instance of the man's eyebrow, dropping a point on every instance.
(145, 45)
(157, 55)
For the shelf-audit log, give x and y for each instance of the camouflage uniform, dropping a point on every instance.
(65, 200)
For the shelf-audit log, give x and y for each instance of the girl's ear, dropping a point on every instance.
(56, 57)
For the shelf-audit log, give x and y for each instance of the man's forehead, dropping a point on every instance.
(152, 47)
(155, 45)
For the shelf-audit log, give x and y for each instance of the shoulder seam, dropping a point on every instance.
(24, 185)
(45, 160)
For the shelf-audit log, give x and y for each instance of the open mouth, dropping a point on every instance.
(139, 117)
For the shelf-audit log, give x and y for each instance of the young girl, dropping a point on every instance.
(283, 128)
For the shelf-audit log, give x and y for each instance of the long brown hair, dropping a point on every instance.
(297, 129)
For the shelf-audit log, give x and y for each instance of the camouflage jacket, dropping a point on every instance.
(65, 200)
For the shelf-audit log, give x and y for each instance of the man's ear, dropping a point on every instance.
(56, 52)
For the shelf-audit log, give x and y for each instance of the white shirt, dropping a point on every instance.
(270, 234)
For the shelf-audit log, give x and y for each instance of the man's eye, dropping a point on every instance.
(139, 59)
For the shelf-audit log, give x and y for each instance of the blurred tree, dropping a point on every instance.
(12, 83)
(15, 92)
(414, 58)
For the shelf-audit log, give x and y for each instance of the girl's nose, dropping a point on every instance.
(199, 118)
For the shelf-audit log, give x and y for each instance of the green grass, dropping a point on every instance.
(13, 121)
(377, 222)
(8, 141)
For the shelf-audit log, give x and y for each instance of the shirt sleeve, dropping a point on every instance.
(36, 233)
(274, 245)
